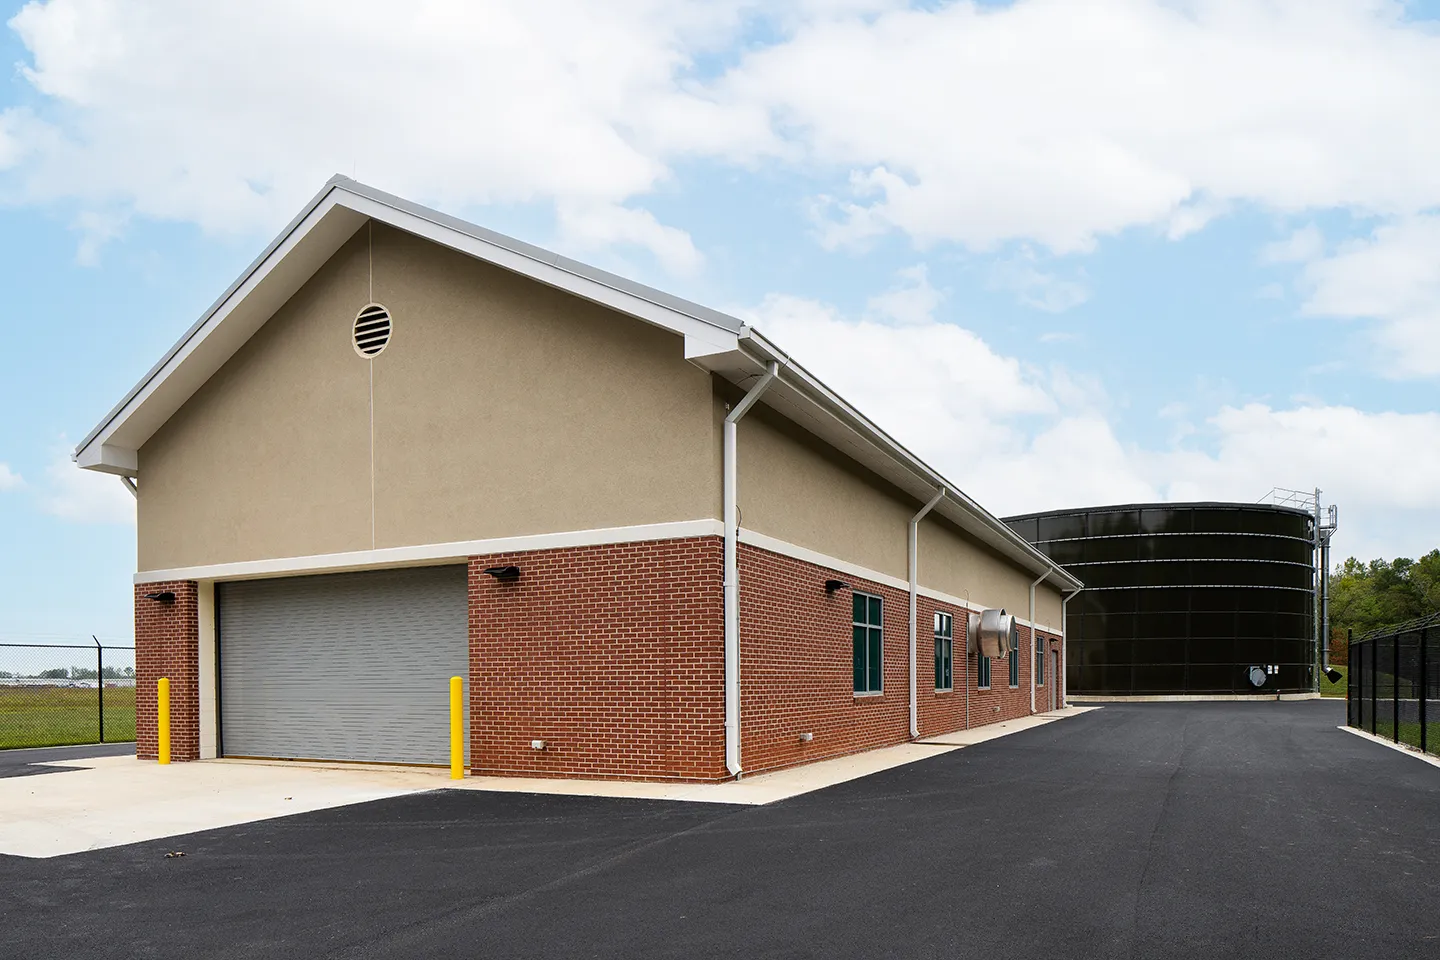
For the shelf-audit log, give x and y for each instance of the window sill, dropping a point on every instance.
(983, 688)
(868, 693)
(939, 690)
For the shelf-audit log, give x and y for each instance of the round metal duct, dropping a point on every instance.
(997, 635)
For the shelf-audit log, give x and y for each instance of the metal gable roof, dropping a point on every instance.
(715, 341)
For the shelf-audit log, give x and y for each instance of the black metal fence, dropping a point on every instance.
(1394, 683)
(52, 695)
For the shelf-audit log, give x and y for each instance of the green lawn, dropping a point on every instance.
(52, 716)
(1328, 689)
(1410, 733)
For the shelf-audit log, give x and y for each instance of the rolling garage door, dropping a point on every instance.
(348, 666)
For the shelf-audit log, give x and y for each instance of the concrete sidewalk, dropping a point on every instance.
(103, 802)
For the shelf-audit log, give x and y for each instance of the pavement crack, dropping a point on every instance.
(1151, 842)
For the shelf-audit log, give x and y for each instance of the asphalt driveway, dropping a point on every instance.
(1148, 831)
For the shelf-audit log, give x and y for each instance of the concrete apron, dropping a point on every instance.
(100, 802)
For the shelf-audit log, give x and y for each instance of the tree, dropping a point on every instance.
(54, 673)
(1364, 596)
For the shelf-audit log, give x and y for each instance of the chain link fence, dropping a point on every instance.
(52, 695)
(1395, 684)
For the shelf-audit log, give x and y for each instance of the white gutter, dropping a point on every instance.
(1065, 639)
(802, 382)
(729, 484)
(914, 589)
(1032, 634)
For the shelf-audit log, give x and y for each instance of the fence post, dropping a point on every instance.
(1424, 691)
(100, 683)
(1374, 688)
(1396, 684)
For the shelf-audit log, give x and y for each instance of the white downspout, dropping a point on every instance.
(1065, 639)
(1032, 635)
(729, 485)
(914, 587)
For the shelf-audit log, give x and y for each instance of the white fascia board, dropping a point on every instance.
(169, 375)
(433, 553)
(594, 286)
(255, 295)
(107, 458)
(957, 506)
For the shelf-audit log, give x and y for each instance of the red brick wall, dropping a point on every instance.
(613, 655)
(796, 668)
(167, 644)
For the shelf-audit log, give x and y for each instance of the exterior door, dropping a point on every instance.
(348, 666)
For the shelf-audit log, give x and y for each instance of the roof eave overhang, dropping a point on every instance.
(801, 396)
(330, 219)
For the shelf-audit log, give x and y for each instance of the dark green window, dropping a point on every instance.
(983, 674)
(868, 645)
(944, 651)
(1040, 661)
(1014, 657)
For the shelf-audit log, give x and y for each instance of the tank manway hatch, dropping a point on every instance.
(997, 634)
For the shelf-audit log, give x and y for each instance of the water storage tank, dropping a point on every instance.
(1182, 599)
(997, 635)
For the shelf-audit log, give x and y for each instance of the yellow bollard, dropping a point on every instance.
(457, 730)
(162, 697)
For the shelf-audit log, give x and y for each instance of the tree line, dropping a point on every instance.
(1365, 596)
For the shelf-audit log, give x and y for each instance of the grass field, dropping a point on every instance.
(52, 716)
(1328, 689)
(1410, 733)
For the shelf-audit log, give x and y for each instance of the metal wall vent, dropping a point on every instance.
(372, 330)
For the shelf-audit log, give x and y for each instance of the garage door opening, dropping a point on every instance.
(349, 666)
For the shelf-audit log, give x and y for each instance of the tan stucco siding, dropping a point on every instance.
(796, 490)
(501, 408)
(1047, 605)
(954, 563)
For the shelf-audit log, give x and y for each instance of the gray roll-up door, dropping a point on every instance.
(347, 666)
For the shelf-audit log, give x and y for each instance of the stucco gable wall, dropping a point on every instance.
(501, 408)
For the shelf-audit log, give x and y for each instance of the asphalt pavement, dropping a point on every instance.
(1229, 830)
(30, 761)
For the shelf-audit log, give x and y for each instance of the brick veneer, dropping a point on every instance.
(796, 671)
(167, 644)
(612, 655)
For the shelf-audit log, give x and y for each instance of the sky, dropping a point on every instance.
(1070, 253)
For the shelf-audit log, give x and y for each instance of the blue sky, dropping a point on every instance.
(1069, 253)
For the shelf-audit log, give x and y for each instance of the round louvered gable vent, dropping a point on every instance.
(372, 330)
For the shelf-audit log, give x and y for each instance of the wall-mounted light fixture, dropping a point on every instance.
(504, 574)
(164, 596)
(832, 585)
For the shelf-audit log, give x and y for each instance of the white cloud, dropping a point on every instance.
(9, 479)
(1019, 439)
(1060, 122)
(232, 114)
(597, 227)
(1034, 287)
(1302, 246)
(1393, 277)
(84, 496)
(911, 301)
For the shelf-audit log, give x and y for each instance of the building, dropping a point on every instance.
(401, 447)
(1185, 599)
